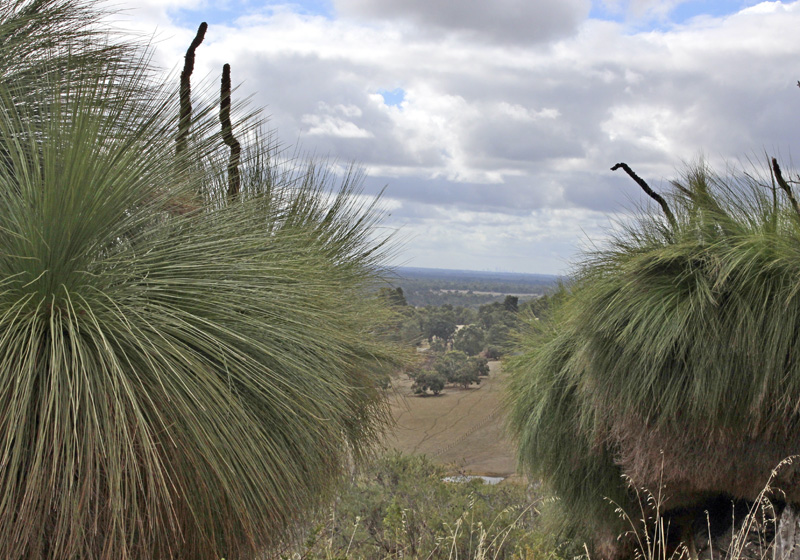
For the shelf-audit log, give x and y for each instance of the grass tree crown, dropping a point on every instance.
(183, 375)
(672, 358)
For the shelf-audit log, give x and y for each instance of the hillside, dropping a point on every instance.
(468, 288)
(461, 428)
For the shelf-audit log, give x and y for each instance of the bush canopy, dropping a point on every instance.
(182, 373)
(672, 359)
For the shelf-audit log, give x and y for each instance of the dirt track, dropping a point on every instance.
(462, 428)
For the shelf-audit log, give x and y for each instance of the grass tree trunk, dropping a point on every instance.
(787, 537)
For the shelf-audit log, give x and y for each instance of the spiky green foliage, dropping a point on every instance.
(179, 377)
(545, 405)
(682, 340)
(34, 33)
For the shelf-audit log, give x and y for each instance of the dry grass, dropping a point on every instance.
(693, 464)
(461, 428)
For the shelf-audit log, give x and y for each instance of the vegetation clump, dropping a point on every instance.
(672, 359)
(183, 372)
(452, 367)
(404, 506)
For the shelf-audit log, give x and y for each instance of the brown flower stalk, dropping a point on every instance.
(784, 185)
(234, 180)
(185, 118)
(650, 192)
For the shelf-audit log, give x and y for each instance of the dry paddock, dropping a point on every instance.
(460, 428)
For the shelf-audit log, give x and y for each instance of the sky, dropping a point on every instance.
(493, 125)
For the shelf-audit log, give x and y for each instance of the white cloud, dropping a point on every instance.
(502, 128)
(333, 121)
(766, 8)
(501, 20)
(485, 240)
(333, 126)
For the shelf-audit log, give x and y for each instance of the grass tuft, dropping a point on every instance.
(676, 338)
(180, 377)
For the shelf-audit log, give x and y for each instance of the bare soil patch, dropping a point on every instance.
(461, 428)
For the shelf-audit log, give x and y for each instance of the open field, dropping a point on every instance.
(462, 428)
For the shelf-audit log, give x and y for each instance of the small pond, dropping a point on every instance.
(468, 477)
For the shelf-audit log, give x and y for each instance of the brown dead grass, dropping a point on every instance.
(692, 464)
(461, 428)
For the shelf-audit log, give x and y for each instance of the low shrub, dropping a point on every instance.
(402, 506)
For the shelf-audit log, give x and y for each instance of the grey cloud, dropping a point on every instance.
(719, 116)
(436, 238)
(499, 21)
(293, 86)
(650, 99)
(517, 196)
(504, 141)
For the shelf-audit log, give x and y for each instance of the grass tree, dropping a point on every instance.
(182, 374)
(672, 361)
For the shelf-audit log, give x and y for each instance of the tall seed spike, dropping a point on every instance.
(650, 192)
(185, 116)
(785, 186)
(234, 180)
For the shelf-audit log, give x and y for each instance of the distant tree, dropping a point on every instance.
(458, 368)
(464, 315)
(511, 303)
(426, 381)
(469, 340)
(499, 337)
(480, 365)
(438, 322)
(492, 314)
(393, 296)
(450, 364)
(468, 374)
(498, 322)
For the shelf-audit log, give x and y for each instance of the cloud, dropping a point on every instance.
(499, 21)
(334, 121)
(639, 9)
(487, 135)
(437, 237)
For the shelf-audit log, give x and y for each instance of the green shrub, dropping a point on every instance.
(401, 506)
(183, 374)
(671, 358)
(469, 339)
(428, 380)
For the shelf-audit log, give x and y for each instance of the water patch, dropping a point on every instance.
(470, 477)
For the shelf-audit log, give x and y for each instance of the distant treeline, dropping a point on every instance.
(468, 288)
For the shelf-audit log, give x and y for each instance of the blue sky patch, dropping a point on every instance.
(682, 13)
(599, 11)
(227, 12)
(714, 8)
(393, 97)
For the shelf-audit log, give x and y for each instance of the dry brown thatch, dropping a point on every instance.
(692, 465)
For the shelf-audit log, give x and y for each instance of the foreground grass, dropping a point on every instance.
(401, 507)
